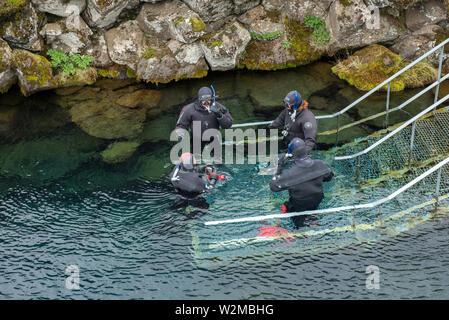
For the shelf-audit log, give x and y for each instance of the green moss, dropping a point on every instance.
(105, 3)
(215, 44)
(197, 24)
(266, 36)
(299, 38)
(179, 20)
(320, 33)
(34, 66)
(11, 7)
(149, 53)
(108, 73)
(259, 53)
(372, 65)
(130, 73)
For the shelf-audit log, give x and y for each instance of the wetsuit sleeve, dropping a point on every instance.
(279, 121)
(277, 184)
(225, 120)
(310, 130)
(184, 120)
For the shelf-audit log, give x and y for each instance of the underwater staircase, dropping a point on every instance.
(386, 183)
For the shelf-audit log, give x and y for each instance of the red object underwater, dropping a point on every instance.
(273, 231)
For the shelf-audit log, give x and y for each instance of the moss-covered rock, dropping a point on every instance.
(9, 8)
(103, 13)
(372, 65)
(22, 29)
(119, 151)
(223, 48)
(293, 49)
(34, 71)
(171, 20)
(7, 75)
(172, 61)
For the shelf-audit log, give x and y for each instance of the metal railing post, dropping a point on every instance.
(338, 129)
(440, 64)
(437, 188)
(388, 104)
(412, 141)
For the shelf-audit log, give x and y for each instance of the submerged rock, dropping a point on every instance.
(46, 159)
(119, 151)
(109, 113)
(9, 118)
(370, 66)
(223, 48)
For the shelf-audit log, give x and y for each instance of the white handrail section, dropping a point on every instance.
(442, 44)
(392, 133)
(337, 209)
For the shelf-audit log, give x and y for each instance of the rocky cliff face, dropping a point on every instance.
(160, 41)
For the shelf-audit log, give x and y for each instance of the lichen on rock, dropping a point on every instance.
(223, 48)
(22, 29)
(171, 20)
(372, 65)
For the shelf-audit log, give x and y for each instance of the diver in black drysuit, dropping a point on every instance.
(191, 181)
(304, 181)
(212, 115)
(297, 121)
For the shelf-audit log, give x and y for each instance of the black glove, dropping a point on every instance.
(217, 110)
(281, 163)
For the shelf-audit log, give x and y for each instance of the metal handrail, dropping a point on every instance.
(345, 208)
(392, 133)
(387, 81)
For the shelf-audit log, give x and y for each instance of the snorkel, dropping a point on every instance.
(289, 150)
(295, 107)
(213, 98)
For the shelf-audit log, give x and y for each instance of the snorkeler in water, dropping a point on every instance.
(191, 181)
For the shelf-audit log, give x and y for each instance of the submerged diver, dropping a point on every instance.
(304, 180)
(297, 120)
(212, 115)
(191, 180)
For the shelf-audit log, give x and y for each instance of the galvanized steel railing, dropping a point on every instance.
(345, 208)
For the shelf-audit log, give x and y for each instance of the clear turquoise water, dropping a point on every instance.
(61, 205)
